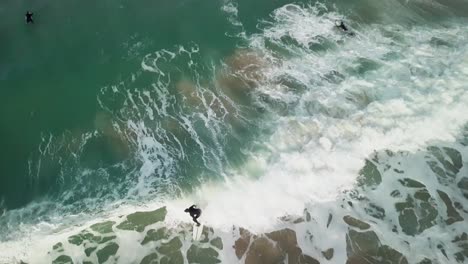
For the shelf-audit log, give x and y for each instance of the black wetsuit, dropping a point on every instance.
(342, 26)
(29, 18)
(194, 213)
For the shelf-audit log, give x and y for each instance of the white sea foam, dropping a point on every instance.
(318, 148)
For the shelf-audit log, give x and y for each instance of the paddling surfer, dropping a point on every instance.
(29, 17)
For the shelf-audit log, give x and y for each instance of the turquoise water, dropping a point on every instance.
(53, 70)
(113, 103)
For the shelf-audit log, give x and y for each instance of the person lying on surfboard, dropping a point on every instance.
(29, 17)
(194, 213)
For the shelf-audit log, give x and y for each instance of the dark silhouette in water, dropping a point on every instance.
(342, 26)
(194, 213)
(29, 17)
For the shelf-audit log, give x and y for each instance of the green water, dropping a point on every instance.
(51, 71)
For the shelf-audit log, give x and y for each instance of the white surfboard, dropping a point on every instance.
(197, 232)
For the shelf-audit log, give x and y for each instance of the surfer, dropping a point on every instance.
(29, 17)
(194, 213)
(340, 24)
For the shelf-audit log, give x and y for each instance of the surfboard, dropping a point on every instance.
(197, 231)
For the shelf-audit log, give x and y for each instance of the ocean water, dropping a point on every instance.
(262, 113)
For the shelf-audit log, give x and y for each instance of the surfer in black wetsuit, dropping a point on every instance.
(340, 24)
(29, 18)
(194, 213)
